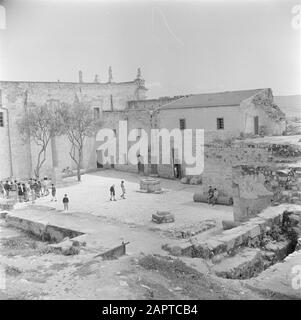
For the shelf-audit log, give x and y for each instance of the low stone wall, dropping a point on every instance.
(229, 240)
(43, 231)
(244, 209)
(115, 252)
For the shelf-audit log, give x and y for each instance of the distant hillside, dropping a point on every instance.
(290, 105)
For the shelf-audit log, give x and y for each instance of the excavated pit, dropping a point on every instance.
(47, 233)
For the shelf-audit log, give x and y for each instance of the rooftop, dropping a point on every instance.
(227, 98)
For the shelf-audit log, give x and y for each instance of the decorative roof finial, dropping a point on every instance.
(110, 75)
(139, 74)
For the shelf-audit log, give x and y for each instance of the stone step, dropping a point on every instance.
(245, 264)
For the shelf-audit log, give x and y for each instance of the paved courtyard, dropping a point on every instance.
(92, 196)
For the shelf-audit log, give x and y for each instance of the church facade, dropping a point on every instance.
(17, 157)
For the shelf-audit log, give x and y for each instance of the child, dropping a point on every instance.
(112, 192)
(122, 189)
(20, 192)
(66, 203)
(53, 192)
(32, 195)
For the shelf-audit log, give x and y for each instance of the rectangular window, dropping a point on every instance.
(96, 113)
(182, 124)
(220, 123)
(1, 119)
(115, 132)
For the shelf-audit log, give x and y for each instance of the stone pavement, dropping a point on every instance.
(99, 235)
(92, 196)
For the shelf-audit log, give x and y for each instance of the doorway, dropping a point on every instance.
(256, 125)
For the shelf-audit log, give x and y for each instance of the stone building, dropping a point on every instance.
(223, 116)
(17, 157)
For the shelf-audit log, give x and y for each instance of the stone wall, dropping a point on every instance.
(4, 148)
(16, 96)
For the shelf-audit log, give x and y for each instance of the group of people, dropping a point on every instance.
(212, 195)
(30, 190)
(112, 191)
(27, 190)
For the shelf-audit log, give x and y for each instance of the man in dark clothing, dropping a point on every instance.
(7, 189)
(66, 203)
(53, 192)
(112, 193)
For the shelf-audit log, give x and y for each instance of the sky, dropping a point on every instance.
(182, 47)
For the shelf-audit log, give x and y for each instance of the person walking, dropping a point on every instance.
(122, 189)
(66, 203)
(112, 193)
(210, 195)
(53, 192)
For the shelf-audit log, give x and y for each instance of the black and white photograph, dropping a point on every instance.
(151, 151)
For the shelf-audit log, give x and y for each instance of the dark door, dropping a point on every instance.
(256, 125)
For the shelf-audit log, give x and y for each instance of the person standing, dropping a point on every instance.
(112, 193)
(53, 192)
(32, 195)
(66, 203)
(20, 192)
(25, 196)
(122, 189)
(2, 191)
(14, 189)
(6, 189)
(215, 196)
(45, 191)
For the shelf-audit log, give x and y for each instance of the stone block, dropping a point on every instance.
(229, 224)
(255, 231)
(150, 185)
(294, 219)
(163, 217)
(241, 266)
(195, 180)
(3, 214)
(184, 180)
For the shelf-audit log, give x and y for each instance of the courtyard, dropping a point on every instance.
(147, 271)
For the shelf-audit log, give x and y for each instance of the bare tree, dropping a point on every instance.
(78, 123)
(41, 124)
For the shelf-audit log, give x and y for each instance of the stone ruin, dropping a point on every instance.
(250, 248)
(250, 196)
